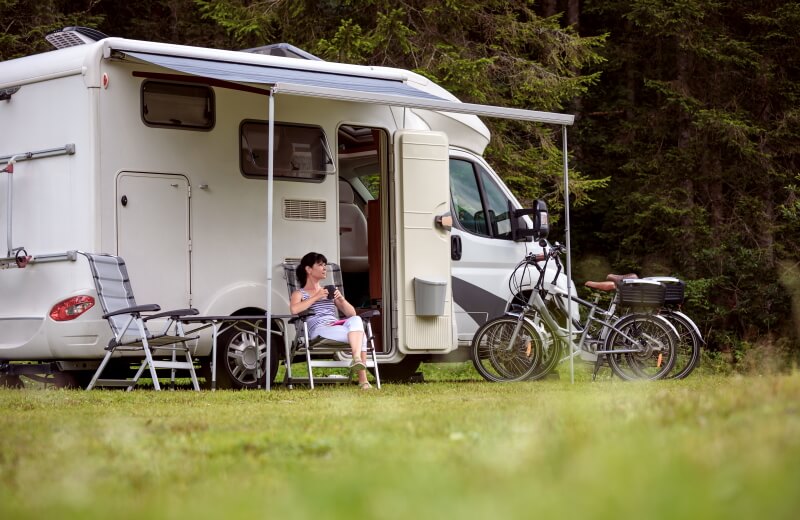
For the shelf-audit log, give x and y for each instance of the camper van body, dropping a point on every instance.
(128, 171)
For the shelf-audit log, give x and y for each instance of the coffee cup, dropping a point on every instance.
(331, 289)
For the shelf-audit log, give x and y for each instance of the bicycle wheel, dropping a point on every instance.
(651, 342)
(497, 358)
(550, 355)
(687, 349)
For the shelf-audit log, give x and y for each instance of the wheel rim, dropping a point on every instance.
(246, 354)
(654, 341)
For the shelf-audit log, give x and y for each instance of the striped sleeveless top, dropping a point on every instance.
(325, 313)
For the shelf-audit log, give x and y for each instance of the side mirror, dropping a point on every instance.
(541, 222)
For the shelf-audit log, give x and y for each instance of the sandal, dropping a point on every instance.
(357, 365)
(365, 385)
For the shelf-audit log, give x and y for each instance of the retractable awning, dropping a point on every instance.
(340, 86)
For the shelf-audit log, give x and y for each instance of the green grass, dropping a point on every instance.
(706, 447)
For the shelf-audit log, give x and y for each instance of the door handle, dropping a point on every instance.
(455, 247)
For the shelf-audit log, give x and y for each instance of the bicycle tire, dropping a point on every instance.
(495, 359)
(655, 340)
(550, 355)
(687, 353)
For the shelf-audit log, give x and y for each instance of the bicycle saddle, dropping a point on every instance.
(602, 286)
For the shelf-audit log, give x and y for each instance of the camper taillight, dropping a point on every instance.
(71, 308)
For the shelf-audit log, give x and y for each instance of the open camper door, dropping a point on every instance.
(424, 290)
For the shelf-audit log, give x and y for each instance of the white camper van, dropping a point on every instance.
(158, 153)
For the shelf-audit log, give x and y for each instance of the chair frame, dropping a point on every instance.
(132, 334)
(302, 346)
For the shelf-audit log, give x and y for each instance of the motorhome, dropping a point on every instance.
(160, 154)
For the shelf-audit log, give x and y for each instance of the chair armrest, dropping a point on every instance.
(138, 309)
(302, 316)
(369, 314)
(177, 313)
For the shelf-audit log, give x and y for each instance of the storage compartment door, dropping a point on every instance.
(153, 236)
(423, 247)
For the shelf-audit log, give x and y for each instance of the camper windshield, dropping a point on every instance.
(301, 151)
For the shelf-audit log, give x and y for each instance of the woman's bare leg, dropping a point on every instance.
(356, 338)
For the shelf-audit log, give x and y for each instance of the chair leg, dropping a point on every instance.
(371, 346)
(310, 370)
(189, 360)
(138, 374)
(172, 371)
(287, 361)
(148, 355)
(308, 357)
(100, 369)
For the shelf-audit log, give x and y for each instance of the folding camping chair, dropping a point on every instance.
(129, 326)
(320, 346)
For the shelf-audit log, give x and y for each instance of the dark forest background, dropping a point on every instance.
(684, 155)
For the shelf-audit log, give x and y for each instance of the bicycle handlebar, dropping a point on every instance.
(552, 253)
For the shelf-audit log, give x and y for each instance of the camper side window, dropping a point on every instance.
(478, 203)
(177, 105)
(301, 151)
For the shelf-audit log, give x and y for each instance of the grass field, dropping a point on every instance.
(705, 447)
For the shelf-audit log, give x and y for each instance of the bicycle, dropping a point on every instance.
(690, 339)
(526, 342)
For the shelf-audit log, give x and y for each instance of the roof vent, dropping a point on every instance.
(72, 36)
(284, 50)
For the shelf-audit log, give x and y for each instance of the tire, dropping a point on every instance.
(655, 341)
(687, 349)
(73, 379)
(241, 357)
(550, 356)
(496, 359)
(401, 372)
(551, 345)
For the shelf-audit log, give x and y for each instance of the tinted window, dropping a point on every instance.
(177, 105)
(301, 152)
(466, 197)
(480, 206)
(496, 205)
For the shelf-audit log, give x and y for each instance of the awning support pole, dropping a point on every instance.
(569, 253)
(270, 177)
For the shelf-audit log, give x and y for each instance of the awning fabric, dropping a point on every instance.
(345, 87)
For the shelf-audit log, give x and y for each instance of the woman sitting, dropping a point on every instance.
(325, 322)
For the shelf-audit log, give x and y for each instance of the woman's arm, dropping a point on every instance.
(297, 304)
(343, 305)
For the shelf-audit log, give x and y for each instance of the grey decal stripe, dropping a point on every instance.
(474, 299)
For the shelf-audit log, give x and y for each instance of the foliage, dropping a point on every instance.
(700, 136)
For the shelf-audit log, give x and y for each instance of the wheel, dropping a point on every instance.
(494, 355)
(551, 346)
(241, 356)
(401, 372)
(652, 342)
(550, 355)
(687, 348)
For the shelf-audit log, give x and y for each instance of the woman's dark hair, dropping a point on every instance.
(308, 261)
